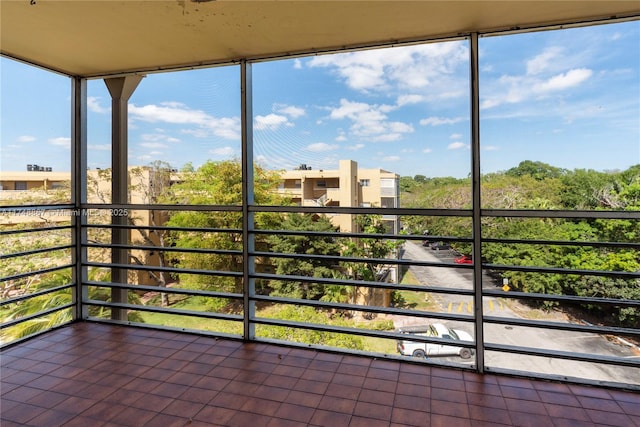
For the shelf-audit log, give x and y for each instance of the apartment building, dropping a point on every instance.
(346, 186)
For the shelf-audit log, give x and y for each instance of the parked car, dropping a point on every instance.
(464, 259)
(438, 246)
(437, 330)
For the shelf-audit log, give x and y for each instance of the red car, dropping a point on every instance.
(464, 259)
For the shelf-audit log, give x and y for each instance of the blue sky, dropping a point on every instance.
(570, 98)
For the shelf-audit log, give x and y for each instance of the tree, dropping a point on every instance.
(218, 184)
(304, 244)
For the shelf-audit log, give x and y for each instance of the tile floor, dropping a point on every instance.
(89, 374)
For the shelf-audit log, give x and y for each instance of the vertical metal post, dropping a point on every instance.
(476, 201)
(121, 89)
(248, 238)
(79, 192)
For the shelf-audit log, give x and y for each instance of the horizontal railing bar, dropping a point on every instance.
(565, 271)
(35, 272)
(163, 249)
(166, 269)
(562, 298)
(201, 332)
(168, 290)
(35, 315)
(36, 251)
(363, 211)
(569, 214)
(632, 245)
(362, 308)
(161, 207)
(540, 324)
(164, 228)
(34, 208)
(173, 311)
(566, 355)
(36, 294)
(360, 283)
(35, 230)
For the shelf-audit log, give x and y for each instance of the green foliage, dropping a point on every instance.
(308, 245)
(309, 315)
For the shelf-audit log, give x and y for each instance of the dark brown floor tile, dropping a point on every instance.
(486, 401)
(279, 422)
(599, 404)
(245, 419)
(630, 408)
(449, 395)
(311, 386)
(409, 417)
(299, 413)
(281, 381)
(372, 410)
(490, 415)
(412, 402)
(337, 404)
(383, 374)
(330, 418)
(520, 393)
(261, 406)
(343, 391)
(414, 378)
(21, 394)
(229, 400)
(81, 422)
(133, 417)
(317, 375)
(149, 401)
(215, 415)
(447, 383)
(47, 399)
(609, 418)
(527, 406)
(305, 399)
(454, 409)
(76, 405)
(526, 419)
(441, 420)
(351, 380)
(382, 385)
(166, 420)
(21, 413)
(103, 411)
(570, 412)
(182, 408)
(358, 421)
(377, 397)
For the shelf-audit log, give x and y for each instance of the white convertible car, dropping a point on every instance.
(437, 330)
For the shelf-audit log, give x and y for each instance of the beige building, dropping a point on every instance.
(348, 186)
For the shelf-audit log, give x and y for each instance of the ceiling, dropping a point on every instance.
(99, 38)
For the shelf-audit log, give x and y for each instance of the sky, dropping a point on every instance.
(570, 98)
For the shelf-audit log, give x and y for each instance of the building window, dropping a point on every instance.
(364, 182)
(321, 183)
(21, 185)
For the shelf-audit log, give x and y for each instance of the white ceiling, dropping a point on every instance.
(97, 38)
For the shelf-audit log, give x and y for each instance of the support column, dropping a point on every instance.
(476, 201)
(248, 238)
(79, 192)
(121, 89)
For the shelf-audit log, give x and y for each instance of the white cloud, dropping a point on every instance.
(437, 121)
(223, 151)
(563, 81)
(429, 65)
(153, 145)
(456, 145)
(297, 64)
(270, 122)
(391, 158)
(541, 62)
(355, 147)
(99, 147)
(409, 99)
(369, 121)
(61, 142)
(290, 110)
(455, 136)
(93, 105)
(156, 153)
(26, 138)
(341, 137)
(490, 148)
(177, 113)
(321, 146)
(427, 150)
